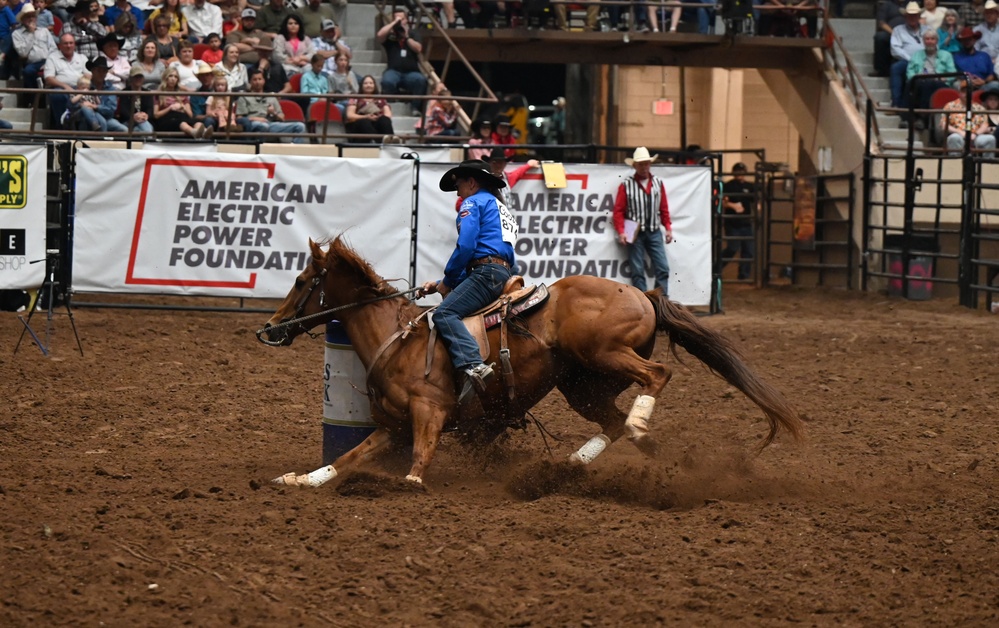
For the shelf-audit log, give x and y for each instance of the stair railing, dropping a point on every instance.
(851, 78)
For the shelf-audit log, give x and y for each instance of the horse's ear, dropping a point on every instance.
(318, 256)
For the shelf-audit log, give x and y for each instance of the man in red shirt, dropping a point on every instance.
(640, 211)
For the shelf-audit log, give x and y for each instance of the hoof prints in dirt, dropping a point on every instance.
(632, 486)
(363, 484)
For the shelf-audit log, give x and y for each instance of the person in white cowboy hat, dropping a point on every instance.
(33, 45)
(640, 214)
(906, 38)
(989, 28)
(479, 267)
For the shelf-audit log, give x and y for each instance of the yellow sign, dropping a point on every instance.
(13, 181)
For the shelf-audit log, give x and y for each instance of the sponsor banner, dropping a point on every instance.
(230, 225)
(22, 216)
(570, 231)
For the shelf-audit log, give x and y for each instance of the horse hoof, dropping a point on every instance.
(415, 478)
(290, 479)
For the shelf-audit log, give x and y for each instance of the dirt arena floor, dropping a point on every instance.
(134, 486)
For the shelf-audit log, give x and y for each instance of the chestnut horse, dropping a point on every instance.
(591, 339)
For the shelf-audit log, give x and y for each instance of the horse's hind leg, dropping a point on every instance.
(371, 446)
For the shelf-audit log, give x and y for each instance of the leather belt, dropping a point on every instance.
(488, 259)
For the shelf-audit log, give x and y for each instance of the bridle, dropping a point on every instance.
(298, 319)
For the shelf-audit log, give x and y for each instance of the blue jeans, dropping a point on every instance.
(91, 120)
(650, 242)
(897, 82)
(413, 82)
(292, 128)
(480, 288)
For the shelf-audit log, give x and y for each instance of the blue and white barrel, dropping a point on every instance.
(346, 413)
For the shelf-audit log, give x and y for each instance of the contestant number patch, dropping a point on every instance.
(508, 224)
(13, 182)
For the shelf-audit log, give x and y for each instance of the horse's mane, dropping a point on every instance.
(341, 252)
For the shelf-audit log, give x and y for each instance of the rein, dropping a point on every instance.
(298, 320)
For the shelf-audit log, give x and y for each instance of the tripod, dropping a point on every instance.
(48, 288)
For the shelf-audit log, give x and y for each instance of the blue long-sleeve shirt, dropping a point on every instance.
(480, 233)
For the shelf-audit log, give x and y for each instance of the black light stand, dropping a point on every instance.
(48, 288)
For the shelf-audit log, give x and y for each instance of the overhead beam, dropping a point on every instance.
(616, 48)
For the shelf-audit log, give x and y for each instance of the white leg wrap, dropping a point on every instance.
(636, 426)
(589, 452)
(309, 480)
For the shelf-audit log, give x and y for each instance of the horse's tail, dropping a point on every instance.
(718, 353)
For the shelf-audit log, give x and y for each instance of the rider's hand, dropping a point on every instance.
(428, 287)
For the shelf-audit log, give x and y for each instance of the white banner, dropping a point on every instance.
(22, 216)
(570, 231)
(230, 225)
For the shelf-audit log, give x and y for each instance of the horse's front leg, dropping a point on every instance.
(428, 420)
(372, 445)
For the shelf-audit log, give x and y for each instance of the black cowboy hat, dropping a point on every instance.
(498, 154)
(107, 39)
(99, 62)
(475, 168)
(83, 6)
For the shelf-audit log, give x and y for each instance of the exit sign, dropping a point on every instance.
(662, 107)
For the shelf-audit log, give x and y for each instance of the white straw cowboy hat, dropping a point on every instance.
(475, 168)
(989, 6)
(913, 9)
(27, 10)
(641, 154)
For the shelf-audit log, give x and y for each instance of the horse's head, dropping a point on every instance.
(307, 296)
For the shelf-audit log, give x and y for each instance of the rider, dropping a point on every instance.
(480, 266)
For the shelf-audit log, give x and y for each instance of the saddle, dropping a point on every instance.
(516, 299)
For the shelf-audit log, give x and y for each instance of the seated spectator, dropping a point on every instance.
(786, 22)
(258, 112)
(948, 32)
(176, 22)
(989, 29)
(315, 80)
(343, 81)
(107, 106)
(271, 16)
(314, 14)
(214, 53)
(82, 108)
(329, 44)
(990, 101)
(187, 67)
(4, 124)
(975, 64)
(219, 113)
(199, 99)
(368, 115)
(402, 48)
(482, 133)
(119, 66)
(135, 111)
(151, 65)
(905, 40)
(292, 48)
(247, 37)
(173, 113)
(232, 17)
(889, 15)
(113, 12)
(233, 70)
(971, 14)
(85, 28)
(203, 18)
(63, 70)
(929, 60)
(933, 14)
(957, 124)
(482, 19)
(167, 46)
(45, 18)
(562, 18)
(33, 45)
(442, 113)
(275, 78)
(503, 134)
(130, 34)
